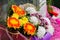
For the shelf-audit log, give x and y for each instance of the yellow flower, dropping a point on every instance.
(23, 20)
(15, 15)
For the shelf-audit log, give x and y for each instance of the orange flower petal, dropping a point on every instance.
(29, 28)
(18, 10)
(13, 22)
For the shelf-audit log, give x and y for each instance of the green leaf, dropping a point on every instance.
(49, 2)
(10, 3)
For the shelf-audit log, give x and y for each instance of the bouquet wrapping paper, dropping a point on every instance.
(56, 24)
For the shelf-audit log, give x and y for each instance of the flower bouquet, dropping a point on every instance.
(27, 24)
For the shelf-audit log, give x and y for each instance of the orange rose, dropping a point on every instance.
(18, 10)
(29, 28)
(13, 22)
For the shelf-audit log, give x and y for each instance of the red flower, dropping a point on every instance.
(54, 13)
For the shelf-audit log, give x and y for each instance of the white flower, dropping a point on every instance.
(31, 10)
(49, 26)
(41, 31)
(50, 29)
(45, 18)
(34, 20)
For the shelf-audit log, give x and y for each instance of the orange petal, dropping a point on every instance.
(18, 10)
(13, 22)
(29, 28)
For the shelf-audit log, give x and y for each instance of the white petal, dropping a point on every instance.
(49, 23)
(50, 29)
(34, 20)
(31, 10)
(41, 32)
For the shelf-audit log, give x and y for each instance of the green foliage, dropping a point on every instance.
(12, 30)
(10, 12)
(49, 2)
(2, 21)
(10, 3)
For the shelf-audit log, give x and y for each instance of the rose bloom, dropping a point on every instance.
(13, 22)
(18, 10)
(29, 28)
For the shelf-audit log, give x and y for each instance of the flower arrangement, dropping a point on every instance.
(26, 22)
(29, 22)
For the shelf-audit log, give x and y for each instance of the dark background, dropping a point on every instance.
(56, 3)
